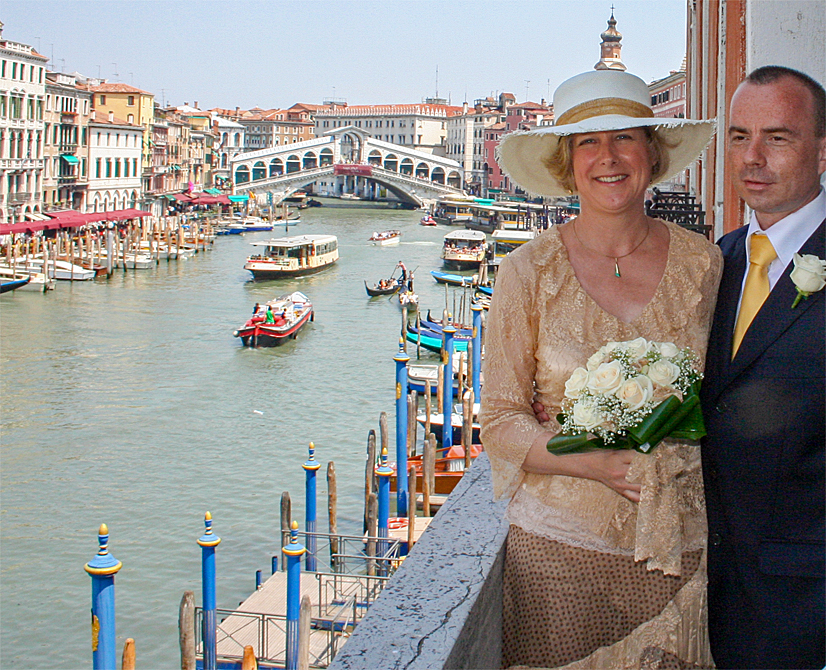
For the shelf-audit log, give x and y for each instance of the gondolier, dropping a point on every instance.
(402, 267)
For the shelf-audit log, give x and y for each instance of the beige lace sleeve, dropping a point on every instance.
(509, 426)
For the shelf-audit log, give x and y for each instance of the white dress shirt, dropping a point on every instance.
(786, 236)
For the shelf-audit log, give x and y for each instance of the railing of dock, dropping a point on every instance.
(351, 554)
(343, 600)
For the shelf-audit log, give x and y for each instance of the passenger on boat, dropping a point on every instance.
(270, 318)
(279, 319)
(255, 309)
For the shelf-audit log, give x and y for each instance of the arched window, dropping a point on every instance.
(374, 158)
(259, 171)
(242, 175)
(406, 166)
(293, 164)
(391, 162)
(438, 175)
(422, 171)
(310, 161)
(326, 157)
(454, 180)
(276, 167)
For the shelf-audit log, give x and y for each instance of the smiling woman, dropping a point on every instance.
(605, 526)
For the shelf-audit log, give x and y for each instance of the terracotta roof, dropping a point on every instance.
(117, 88)
(383, 110)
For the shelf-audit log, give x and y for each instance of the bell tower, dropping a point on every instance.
(611, 47)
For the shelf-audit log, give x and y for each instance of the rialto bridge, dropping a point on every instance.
(353, 159)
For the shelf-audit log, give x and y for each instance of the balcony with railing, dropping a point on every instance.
(18, 197)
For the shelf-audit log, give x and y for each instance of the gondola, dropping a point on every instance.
(374, 290)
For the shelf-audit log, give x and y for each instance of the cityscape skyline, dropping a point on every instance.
(239, 59)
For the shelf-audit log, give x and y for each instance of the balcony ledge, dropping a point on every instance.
(443, 607)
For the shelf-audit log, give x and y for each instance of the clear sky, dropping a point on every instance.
(274, 53)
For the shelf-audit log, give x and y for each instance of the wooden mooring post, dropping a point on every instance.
(186, 630)
(127, 661)
(411, 508)
(369, 475)
(332, 513)
(286, 515)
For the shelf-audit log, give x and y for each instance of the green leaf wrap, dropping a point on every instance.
(653, 423)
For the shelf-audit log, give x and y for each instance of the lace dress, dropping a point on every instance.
(593, 580)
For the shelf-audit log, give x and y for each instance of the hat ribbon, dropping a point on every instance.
(603, 107)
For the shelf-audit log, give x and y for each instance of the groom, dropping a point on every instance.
(763, 396)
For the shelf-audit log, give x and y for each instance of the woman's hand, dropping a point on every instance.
(609, 467)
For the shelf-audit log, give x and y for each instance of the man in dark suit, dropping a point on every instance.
(763, 395)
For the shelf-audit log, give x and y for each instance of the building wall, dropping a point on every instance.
(21, 130)
(113, 147)
(726, 41)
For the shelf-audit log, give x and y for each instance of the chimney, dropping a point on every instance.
(464, 108)
(111, 116)
(196, 105)
(92, 115)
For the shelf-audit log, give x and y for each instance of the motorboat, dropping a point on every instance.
(386, 238)
(277, 321)
(464, 249)
(37, 280)
(292, 256)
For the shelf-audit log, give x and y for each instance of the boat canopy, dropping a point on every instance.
(297, 241)
(508, 235)
(467, 235)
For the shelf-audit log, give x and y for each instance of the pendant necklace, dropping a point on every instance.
(616, 258)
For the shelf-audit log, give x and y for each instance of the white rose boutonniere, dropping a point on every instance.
(809, 276)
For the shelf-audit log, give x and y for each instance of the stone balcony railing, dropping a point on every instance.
(443, 607)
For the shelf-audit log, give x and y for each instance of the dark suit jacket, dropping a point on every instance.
(763, 466)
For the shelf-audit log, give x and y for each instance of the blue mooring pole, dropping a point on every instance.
(476, 372)
(311, 467)
(384, 473)
(208, 542)
(402, 359)
(447, 397)
(292, 555)
(102, 569)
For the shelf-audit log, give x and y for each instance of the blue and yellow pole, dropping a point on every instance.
(311, 467)
(208, 542)
(292, 555)
(402, 359)
(384, 473)
(476, 372)
(447, 397)
(102, 569)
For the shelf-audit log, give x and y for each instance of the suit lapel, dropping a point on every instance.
(776, 314)
(718, 357)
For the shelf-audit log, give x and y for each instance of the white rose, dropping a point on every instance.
(635, 392)
(596, 360)
(667, 349)
(809, 274)
(637, 348)
(587, 416)
(606, 378)
(663, 373)
(576, 382)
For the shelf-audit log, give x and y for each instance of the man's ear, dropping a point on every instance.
(821, 167)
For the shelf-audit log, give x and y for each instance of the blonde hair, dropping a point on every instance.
(561, 162)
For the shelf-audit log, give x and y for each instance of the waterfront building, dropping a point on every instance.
(115, 164)
(421, 126)
(133, 106)
(726, 41)
(66, 143)
(202, 144)
(521, 116)
(466, 136)
(230, 141)
(177, 151)
(668, 95)
(22, 94)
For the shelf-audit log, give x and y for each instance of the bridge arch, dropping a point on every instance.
(276, 167)
(391, 162)
(293, 164)
(259, 171)
(374, 158)
(406, 166)
(242, 174)
(325, 157)
(437, 176)
(454, 179)
(309, 161)
(423, 171)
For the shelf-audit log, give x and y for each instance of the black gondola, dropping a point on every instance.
(393, 287)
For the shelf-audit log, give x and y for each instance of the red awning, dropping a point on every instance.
(210, 200)
(71, 219)
(182, 197)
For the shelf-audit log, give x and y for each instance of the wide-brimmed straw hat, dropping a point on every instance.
(593, 102)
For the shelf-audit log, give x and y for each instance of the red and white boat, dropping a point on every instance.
(428, 220)
(277, 321)
(386, 238)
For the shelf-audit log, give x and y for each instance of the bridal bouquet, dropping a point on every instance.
(631, 395)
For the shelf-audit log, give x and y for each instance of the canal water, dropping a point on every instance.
(128, 402)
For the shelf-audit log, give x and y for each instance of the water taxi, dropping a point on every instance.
(277, 321)
(464, 249)
(292, 256)
(453, 211)
(386, 238)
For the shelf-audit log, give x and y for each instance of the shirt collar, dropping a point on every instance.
(792, 231)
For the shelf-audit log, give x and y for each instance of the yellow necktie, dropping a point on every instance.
(756, 289)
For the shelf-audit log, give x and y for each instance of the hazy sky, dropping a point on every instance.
(274, 53)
